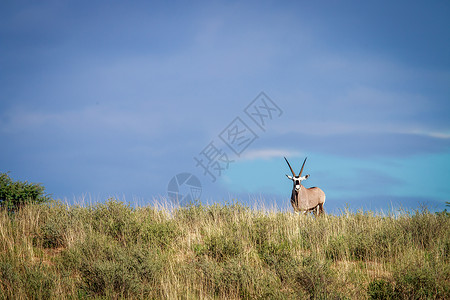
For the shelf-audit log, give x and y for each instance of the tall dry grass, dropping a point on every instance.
(112, 250)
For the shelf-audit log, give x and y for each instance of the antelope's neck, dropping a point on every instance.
(301, 193)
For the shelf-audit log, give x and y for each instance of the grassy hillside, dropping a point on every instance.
(111, 250)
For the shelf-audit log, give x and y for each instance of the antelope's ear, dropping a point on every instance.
(306, 176)
(290, 177)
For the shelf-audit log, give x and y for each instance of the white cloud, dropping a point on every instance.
(268, 153)
(433, 134)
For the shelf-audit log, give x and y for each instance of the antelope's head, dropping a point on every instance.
(297, 180)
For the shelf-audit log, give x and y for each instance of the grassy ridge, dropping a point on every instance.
(111, 250)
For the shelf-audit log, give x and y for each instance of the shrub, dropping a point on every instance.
(261, 230)
(422, 227)
(415, 282)
(224, 213)
(115, 219)
(191, 213)
(336, 248)
(237, 276)
(316, 277)
(15, 194)
(52, 236)
(421, 276)
(60, 225)
(53, 226)
(160, 234)
(113, 270)
(361, 246)
(19, 279)
(237, 279)
(358, 246)
(273, 253)
(388, 240)
(380, 289)
(219, 247)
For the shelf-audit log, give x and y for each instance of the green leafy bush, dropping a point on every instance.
(221, 247)
(34, 281)
(316, 277)
(112, 270)
(15, 194)
(380, 289)
(160, 234)
(336, 248)
(422, 278)
(116, 219)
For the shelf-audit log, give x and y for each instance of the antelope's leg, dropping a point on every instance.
(320, 207)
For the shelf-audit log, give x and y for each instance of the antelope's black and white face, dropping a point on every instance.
(297, 180)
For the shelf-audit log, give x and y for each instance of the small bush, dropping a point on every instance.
(304, 238)
(422, 227)
(360, 246)
(191, 213)
(225, 213)
(19, 279)
(112, 270)
(421, 276)
(237, 276)
(356, 246)
(236, 279)
(381, 290)
(52, 236)
(388, 240)
(39, 282)
(15, 194)
(271, 253)
(261, 230)
(336, 248)
(316, 277)
(160, 234)
(416, 283)
(115, 219)
(60, 225)
(221, 247)
(10, 278)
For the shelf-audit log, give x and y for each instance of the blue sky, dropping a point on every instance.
(102, 98)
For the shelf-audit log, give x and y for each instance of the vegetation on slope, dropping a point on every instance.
(112, 250)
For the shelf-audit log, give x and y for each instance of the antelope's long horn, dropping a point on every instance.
(300, 174)
(290, 167)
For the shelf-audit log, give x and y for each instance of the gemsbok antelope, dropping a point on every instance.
(305, 199)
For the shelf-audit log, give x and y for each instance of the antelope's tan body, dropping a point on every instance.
(308, 199)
